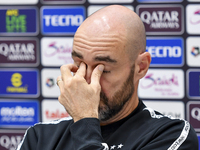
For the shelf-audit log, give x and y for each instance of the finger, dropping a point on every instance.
(59, 82)
(96, 75)
(66, 71)
(81, 70)
(59, 79)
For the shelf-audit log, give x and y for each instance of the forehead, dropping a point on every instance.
(106, 44)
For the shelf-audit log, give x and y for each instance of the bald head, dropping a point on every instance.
(116, 20)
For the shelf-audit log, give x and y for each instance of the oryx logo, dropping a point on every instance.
(61, 20)
(165, 51)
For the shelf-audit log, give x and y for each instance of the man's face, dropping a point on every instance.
(117, 78)
(111, 107)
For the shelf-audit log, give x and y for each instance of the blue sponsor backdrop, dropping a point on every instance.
(19, 83)
(19, 113)
(61, 20)
(166, 51)
(158, 1)
(194, 83)
(18, 20)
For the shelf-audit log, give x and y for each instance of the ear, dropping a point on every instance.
(142, 65)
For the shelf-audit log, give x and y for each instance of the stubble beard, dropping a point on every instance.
(113, 106)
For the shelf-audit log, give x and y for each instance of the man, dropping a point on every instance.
(101, 97)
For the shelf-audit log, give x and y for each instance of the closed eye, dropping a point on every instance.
(106, 71)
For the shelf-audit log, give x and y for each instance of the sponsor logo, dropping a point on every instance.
(61, 20)
(193, 18)
(159, 1)
(18, 21)
(110, 1)
(18, 52)
(193, 51)
(165, 51)
(19, 113)
(162, 83)
(199, 134)
(193, 82)
(50, 82)
(174, 109)
(162, 19)
(193, 114)
(49, 87)
(94, 8)
(52, 110)
(10, 139)
(63, 1)
(18, 2)
(56, 51)
(19, 83)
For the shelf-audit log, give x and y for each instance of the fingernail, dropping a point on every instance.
(101, 67)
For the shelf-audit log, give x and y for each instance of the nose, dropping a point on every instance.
(88, 74)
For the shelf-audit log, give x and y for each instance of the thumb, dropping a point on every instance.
(96, 75)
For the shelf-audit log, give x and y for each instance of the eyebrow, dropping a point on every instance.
(97, 58)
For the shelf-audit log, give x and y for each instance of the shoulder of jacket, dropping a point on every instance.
(54, 122)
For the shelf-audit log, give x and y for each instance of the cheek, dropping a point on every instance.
(109, 86)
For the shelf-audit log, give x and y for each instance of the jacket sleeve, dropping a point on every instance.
(86, 135)
(29, 141)
(174, 136)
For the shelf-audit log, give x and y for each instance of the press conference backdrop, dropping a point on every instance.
(36, 39)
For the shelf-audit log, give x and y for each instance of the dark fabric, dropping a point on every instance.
(143, 129)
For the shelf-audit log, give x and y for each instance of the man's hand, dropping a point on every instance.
(80, 99)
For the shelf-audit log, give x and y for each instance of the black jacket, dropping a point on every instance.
(143, 129)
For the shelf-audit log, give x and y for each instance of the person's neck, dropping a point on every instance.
(128, 108)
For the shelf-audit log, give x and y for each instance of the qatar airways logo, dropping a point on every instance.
(10, 139)
(193, 114)
(162, 83)
(159, 19)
